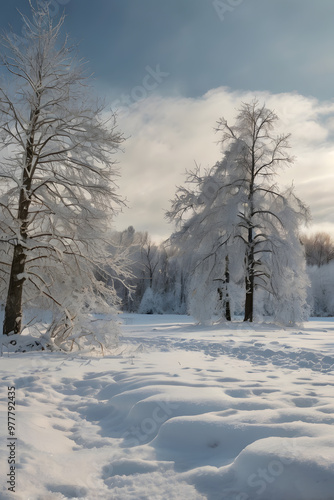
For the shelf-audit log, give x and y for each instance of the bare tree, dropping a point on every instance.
(319, 248)
(58, 192)
(150, 258)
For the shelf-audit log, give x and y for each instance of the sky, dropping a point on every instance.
(172, 68)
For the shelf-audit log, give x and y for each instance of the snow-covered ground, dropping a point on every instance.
(179, 412)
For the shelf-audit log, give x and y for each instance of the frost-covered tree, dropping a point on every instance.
(155, 266)
(319, 248)
(321, 296)
(269, 220)
(150, 257)
(202, 241)
(245, 229)
(57, 180)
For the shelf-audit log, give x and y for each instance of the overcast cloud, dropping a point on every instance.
(167, 135)
(176, 66)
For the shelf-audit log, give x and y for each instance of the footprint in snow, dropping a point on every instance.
(305, 402)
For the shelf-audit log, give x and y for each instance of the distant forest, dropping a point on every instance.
(161, 275)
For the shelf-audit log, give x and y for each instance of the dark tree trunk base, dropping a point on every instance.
(249, 307)
(228, 311)
(13, 311)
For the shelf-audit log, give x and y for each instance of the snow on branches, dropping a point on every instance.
(242, 229)
(58, 194)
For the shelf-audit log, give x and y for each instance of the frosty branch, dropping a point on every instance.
(58, 193)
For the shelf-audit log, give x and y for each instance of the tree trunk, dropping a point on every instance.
(250, 261)
(223, 292)
(249, 302)
(228, 310)
(227, 299)
(13, 310)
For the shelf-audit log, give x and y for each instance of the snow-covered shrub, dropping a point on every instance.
(151, 303)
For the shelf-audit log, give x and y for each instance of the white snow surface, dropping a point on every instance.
(180, 411)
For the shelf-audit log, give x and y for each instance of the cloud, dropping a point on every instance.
(168, 135)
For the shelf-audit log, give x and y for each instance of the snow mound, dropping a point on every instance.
(294, 469)
(211, 436)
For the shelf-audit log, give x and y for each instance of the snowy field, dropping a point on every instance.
(180, 412)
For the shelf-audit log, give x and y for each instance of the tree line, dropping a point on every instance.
(162, 274)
